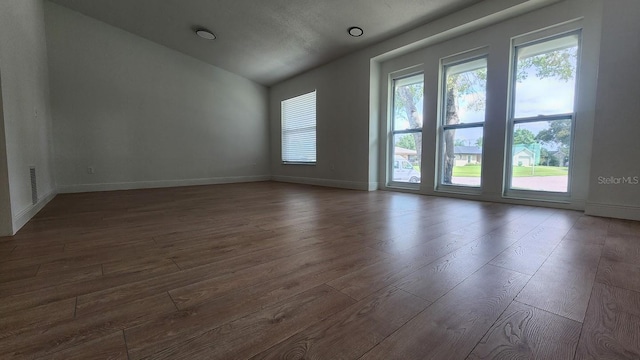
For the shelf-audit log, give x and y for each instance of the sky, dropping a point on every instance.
(533, 97)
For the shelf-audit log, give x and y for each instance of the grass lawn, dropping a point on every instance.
(518, 171)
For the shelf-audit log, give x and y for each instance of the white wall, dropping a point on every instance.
(25, 95)
(142, 115)
(342, 125)
(616, 141)
(610, 79)
(495, 43)
(347, 111)
(6, 219)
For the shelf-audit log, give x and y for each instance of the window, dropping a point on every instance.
(542, 115)
(406, 129)
(464, 95)
(299, 129)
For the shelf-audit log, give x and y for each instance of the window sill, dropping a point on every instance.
(403, 186)
(465, 190)
(299, 163)
(542, 196)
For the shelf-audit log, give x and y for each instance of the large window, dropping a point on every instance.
(542, 114)
(464, 88)
(406, 130)
(299, 129)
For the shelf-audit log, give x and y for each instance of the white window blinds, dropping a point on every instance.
(299, 129)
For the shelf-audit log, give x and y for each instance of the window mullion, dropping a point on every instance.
(565, 116)
(462, 126)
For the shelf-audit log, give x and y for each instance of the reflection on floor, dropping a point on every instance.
(271, 270)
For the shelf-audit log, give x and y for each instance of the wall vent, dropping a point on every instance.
(34, 185)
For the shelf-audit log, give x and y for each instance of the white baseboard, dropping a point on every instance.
(66, 189)
(613, 211)
(25, 215)
(343, 184)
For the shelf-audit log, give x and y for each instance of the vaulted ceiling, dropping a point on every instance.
(266, 40)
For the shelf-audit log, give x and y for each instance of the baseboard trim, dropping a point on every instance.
(23, 217)
(613, 211)
(342, 184)
(79, 188)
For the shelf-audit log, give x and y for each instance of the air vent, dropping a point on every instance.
(34, 185)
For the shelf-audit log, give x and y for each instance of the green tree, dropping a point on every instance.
(459, 142)
(559, 64)
(558, 133)
(523, 137)
(407, 142)
(545, 157)
(479, 141)
(471, 83)
(405, 107)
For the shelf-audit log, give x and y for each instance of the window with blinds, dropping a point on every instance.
(299, 129)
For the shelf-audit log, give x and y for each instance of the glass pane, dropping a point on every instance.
(299, 145)
(408, 103)
(546, 77)
(405, 165)
(299, 129)
(540, 156)
(466, 92)
(462, 157)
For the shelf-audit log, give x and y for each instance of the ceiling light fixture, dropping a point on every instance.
(356, 31)
(205, 34)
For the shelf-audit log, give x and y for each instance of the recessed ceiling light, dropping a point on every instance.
(355, 31)
(205, 34)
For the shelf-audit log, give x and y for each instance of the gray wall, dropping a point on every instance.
(342, 125)
(616, 141)
(495, 42)
(347, 105)
(612, 70)
(142, 115)
(615, 127)
(26, 111)
(6, 219)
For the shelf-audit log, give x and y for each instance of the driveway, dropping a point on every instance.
(543, 183)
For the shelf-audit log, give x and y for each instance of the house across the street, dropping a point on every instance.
(526, 155)
(468, 155)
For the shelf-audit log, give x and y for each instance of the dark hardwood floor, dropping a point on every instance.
(281, 271)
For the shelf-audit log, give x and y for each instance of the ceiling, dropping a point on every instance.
(266, 40)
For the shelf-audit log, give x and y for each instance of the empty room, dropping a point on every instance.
(363, 179)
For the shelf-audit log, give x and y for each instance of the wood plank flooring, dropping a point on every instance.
(282, 271)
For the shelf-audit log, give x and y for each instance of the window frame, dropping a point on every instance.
(512, 121)
(284, 132)
(445, 63)
(389, 163)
